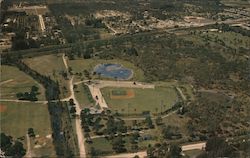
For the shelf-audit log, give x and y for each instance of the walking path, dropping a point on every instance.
(29, 152)
(23, 101)
(79, 131)
(197, 146)
(7, 81)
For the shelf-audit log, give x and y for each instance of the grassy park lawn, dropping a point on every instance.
(13, 81)
(193, 153)
(50, 65)
(79, 65)
(16, 118)
(153, 100)
(82, 96)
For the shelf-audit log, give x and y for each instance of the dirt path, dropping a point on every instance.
(29, 152)
(65, 62)
(198, 146)
(79, 131)
(7, 81)
(23, 101)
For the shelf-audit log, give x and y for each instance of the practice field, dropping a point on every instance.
(13, 81)
(16, 118)
(136, 101)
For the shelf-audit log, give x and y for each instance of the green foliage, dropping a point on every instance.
(118, 144)
(10, 147)
(217, 147)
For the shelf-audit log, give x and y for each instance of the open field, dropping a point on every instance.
(153, 100)
(13, 81)
(193, 153)
(82, 96)
(50, 65)
(80, 65)
(18, 117)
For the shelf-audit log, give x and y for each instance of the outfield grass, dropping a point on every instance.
(17, 81)
(153, 100)
(79, 65)
(50, 65)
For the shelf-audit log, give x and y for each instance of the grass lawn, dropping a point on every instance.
(13, 81)
(50, 65)
(18, 117)
(101, 145)
(81, 96)
(79, 65)
(193, 153)
(153, 100)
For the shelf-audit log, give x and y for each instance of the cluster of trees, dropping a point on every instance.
(72, 106)
(31, 96)
(226, 116)
(10, 147)
(171, 132)
(92, 21)
(217, 147)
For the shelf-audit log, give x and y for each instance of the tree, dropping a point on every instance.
(73, 110)
(31, 132)
(149, 122)
(158, 121)
(217, 147)
(71, 102)
(175, 151)
(10, 148)
(119, 144)
(34, 89)
(93, 152)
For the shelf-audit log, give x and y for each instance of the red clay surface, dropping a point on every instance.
(129, 94)
(3, 108)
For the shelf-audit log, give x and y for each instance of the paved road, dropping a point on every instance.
(199, 146)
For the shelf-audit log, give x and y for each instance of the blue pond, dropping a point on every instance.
(115, 71)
